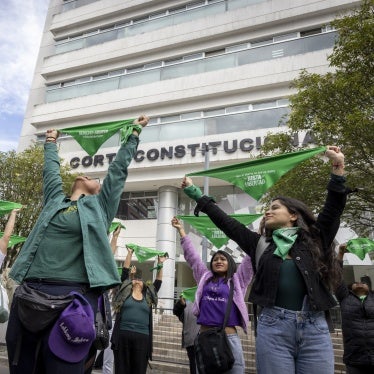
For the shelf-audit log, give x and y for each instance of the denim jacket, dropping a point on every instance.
(96, 213)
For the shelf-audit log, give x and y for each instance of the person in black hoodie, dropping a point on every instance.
(357, 311)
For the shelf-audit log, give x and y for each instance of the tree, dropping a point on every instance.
(21, 182)
(336, 108)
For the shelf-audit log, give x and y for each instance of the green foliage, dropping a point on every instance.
(338, 109)
(21, 182)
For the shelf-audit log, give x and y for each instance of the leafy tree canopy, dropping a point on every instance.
(337, 109)
(21, 182)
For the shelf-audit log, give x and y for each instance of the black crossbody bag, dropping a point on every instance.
(212, 347)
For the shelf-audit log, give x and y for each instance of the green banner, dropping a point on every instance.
(7, 206)
(14, 239)
(360, 246)
(113, 226)
(144, 253)
(206, 227)
(257, 176)
(189, 293)
(91, 137)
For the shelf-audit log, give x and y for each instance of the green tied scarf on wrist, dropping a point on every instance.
(284, 240)
(193, 192)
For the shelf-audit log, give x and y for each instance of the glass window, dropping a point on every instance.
(191, 115)
(195, 4)
(264, 105)
(133, 207)
(214, 112)
(181, 130)
(237, 108)
(193, 57)
(116, 72)
(145, 77)
(311, 32)
(169, 119)
(237, 47)
(283, 37)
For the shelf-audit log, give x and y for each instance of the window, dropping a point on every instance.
(138, 205)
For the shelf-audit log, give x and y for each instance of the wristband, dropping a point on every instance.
(137, 128)
(193, 192)
(158, 267)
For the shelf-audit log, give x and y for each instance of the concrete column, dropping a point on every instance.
(166, 241)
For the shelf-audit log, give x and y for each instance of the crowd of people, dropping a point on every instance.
(67, 264)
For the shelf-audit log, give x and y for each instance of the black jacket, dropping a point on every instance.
(264, 288)
(357, 327)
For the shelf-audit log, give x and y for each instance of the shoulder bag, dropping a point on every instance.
(212, 347)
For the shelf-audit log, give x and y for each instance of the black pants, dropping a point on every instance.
(131, 357)
(360, 369)
(43, 361)
(191, 357)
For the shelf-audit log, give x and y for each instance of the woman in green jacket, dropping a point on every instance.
(67, 250)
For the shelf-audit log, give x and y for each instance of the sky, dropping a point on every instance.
(21, 27)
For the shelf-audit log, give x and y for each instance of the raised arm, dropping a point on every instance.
(329, 218)
(245, 238)
(52, 182)
(4, 240)
(114, 240)
(160, 267)
(112, 187)
(126, 269)
(190, 254)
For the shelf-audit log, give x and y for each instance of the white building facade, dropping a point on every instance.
(211, 74)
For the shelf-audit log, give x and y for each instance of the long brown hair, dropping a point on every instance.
(324, 260)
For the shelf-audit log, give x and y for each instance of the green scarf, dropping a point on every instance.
(144, 253)
(284, 240)
(360, 246)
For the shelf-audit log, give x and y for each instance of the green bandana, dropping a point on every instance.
(7, 206)
(284, 239)
(14, 239)
(360, 246)
(91, 137)
(257, 176)
(206, 227)
(144, 253)
(189, 293)
(114, 226)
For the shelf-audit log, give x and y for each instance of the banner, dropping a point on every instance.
(113, 226)
(189, 293)
(206, 227)
(91, 137)
(360, 246)
(144, 253)
(257, 176)
(14, 239)
(7, 206)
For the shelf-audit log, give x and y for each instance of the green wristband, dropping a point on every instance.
(193, 192)
(138, 128)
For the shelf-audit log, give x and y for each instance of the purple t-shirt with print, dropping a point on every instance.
(213, 305)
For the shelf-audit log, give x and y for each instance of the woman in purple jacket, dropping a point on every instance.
(213, 291)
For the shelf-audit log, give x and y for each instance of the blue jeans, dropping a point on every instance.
(293, 342)
(237, 351)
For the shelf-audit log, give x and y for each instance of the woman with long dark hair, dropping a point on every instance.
(294, 274)
(212, 294)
